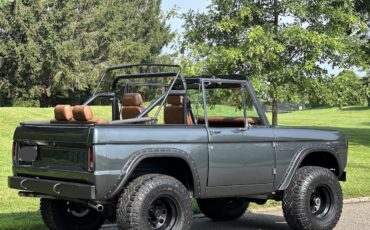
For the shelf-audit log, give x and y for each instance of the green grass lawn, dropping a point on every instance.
(22, 213)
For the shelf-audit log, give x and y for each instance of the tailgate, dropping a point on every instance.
(51, 148)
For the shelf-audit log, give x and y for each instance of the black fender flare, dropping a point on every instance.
(140, 155)
(298, 159)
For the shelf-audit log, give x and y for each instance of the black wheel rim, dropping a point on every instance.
(321, 202)
(162, 213)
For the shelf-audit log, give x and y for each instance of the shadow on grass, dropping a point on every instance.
(21, 220)
(319, 107)
(357, 108)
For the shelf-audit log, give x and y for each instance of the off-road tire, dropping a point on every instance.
(223, 209)
(302, 209)
(138, 204)
(57, 215)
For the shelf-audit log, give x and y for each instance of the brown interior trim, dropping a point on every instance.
(226, 120)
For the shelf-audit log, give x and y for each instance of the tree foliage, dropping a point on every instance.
(55, 49)
(367, 87)
(281, 44)
(346, 89)
(363, 7)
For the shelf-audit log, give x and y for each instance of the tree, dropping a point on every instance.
(281, 44)
(53, 49)
(346, 89)
(367, 87)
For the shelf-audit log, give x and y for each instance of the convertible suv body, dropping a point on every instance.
(202, 137)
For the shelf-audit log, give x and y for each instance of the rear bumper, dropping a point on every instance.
(53, 173)
(53, 187)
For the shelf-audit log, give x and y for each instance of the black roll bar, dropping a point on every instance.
(92, 98)
(142, 75)
(127, 66)
(176, 75)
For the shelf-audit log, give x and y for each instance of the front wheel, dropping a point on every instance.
(154, 201)
(66, 215)
(313, 200)
(224, 209)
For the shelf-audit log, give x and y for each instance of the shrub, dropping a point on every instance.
(21, 102)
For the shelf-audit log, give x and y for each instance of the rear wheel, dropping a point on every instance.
(154, 201)
(223, 209)
(313, 200)
(61, 214)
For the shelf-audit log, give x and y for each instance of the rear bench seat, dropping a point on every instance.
(79, 114)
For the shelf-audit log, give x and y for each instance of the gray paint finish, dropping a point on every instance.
(114, 149)
(132, 134)
(237, 155)
(227, 161)
(293, 144)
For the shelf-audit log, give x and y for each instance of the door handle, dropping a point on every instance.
(215, 132)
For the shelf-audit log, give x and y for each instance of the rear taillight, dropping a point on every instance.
(14, 152)
(90, 161)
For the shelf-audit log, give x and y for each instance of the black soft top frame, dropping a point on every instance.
(172, 88)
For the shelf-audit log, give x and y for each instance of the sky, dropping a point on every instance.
(183, 6)
(201, 5)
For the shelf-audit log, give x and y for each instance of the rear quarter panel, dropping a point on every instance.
(291, 143)
(115, 145)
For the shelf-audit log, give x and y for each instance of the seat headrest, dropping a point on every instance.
(63, 113)
(132, 99)
(82, 113)
(174, 100)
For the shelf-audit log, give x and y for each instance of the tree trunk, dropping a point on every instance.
(274, 108)
(274, 100)
(45, 100)
(368, 102)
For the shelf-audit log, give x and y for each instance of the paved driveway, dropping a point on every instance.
(355, 216)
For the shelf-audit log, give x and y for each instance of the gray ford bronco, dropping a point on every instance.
(171, 139)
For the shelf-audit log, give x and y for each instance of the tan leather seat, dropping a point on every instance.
(79, 114)
(63, 113)
(132, 105)
(173, 112)
(83, 114)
